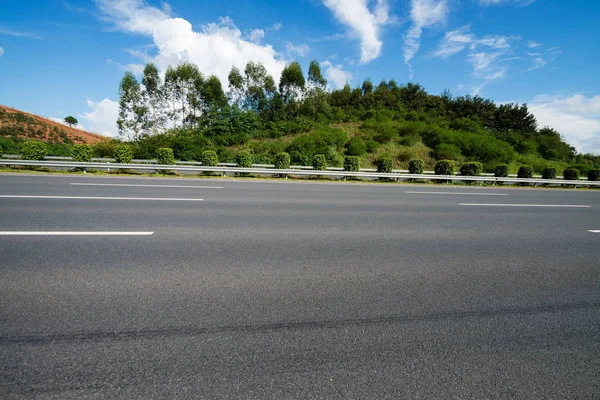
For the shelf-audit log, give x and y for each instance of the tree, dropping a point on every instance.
(292, 83)
(132, 119)
(153, 93)
(315, 77)
(71, 121)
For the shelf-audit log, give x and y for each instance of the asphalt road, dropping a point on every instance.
(284, 290)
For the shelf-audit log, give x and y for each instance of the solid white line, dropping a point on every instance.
(594, 231)
(7, 196)
(72, 233)
(152, 186)
(459, 193)
(526, 205)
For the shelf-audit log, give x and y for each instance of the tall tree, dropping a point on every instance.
(70, 120)
(153, 92)
(315, 77)
(236, 86)
(292, 82)
(259, 86)
(132, 119)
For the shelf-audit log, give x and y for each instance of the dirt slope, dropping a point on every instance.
(18, 124)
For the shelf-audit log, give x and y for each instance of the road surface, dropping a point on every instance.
(210, 288)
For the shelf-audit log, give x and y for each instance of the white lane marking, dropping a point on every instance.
(72, 233)
(594, 231)
(459, 193)
(526, 205)
(152, 186)
(8, 196)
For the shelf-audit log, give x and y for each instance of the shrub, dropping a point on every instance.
(501, 171)
(444, 167)
(33, 151)
(165, 156)
(209, 158)
(244, 159)
(385, 165)
(549, 173)
(123, 154)
(416, 166)
(525, 172)
(282, 161)
(319, 162)
(82, 153)
(352, 164)
(471, 169)
(356, 147)
(571, 174)
(594, 175)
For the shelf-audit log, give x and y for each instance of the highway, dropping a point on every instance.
(142, 288)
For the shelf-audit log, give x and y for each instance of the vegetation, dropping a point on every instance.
(549, 173)
(123, 154)
(33, 150)
(209, 158)
(444, 167)
(352, 164)
(501, 171)
(471, 169)
(319, 162)
(164, 156)
(571, 174)
(593, 175)
(71, 121)
(385, 165)
(525, 172)
(282, 161)
(416, 166)
(82, 153)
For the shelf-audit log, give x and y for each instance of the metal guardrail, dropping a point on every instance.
(294, 167)
(271, 171)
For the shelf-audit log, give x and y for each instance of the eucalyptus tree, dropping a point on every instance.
(153, 91)
(132, 120)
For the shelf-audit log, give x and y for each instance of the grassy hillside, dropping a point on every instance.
(17, 126)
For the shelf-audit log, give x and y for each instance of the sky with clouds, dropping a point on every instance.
(66, 57)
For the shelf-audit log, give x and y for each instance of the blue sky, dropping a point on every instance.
(66, 57)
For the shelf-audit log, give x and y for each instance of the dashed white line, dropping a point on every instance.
(8, 196)
(72, 233)
(526, 205)
(594, 231)
(150, 186)
(459, 193)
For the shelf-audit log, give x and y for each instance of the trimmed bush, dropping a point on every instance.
(471, 169)
(165, 156)
(282, 161)
(319, 162)
(82, 153)
(123, 154)
(501, 171)
(571, 174)
(244, 159)
(209, 158)
(385, 165)
(416, 166)
(594, 175)
(33, 151)
(351, 164)
(444, 167)
(549, 173)
(525, 172)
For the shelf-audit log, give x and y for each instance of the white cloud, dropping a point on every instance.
(538, 62)
(103, 116)
(364, 23)
(214, 49)
(532, 45)
(1, 51)
(133, 15)
(276, 26)
(11, 32)
(456, 41)
(505, 2)
(336, 74)
(300, 50)
(423, 14)
(137, 69)
(576, 117)
(256, 35)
